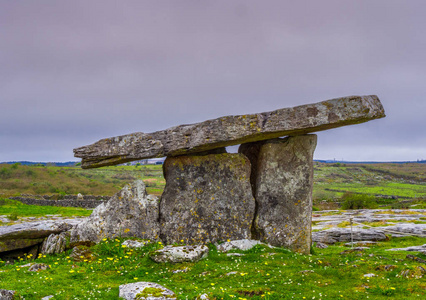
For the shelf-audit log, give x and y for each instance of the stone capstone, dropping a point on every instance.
(145, 291)
(231, 130)
(129, 213)
(178, 254)
(282, 181)
(206, 199)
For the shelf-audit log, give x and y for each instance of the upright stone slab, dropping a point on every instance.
(282, 180)
(206, 199)
(129, 213)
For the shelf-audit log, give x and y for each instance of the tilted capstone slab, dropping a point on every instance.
(282, 182)
(206, 199)
(231, 130)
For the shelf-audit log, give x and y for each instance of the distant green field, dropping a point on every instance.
(59, 181)
(403, 181)
(331, 181)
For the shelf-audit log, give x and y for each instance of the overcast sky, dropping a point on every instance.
(74, 72)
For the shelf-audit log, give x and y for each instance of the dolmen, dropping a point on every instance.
(263, 192)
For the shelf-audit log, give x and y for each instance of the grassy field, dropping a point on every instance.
(395, 182)
(331, 181)
(13, 210)
(59, 181)
(261, 273)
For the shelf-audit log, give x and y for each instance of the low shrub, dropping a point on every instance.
(358, 201)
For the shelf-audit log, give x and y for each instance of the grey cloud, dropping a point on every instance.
(83, 70)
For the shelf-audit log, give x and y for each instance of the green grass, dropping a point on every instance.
(403, 181)
(331, 181)
(59, 181)
(262, 273)
(17, 209)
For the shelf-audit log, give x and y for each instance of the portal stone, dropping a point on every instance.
(206, 199)
(129, 213)
(282, 181)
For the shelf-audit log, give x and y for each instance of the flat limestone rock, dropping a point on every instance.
(32, 230)
(282, 181)
(145, 291)
(231, 130)
(129, 213)
(206, 199)
(334, 235)
(421, 248)
(243, 245)
(13, 244)
(24, 235)
(180, 254)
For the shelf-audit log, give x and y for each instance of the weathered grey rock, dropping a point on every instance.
(145, 291)
(282, 181)
(404, 229)
(320, 245)
(243, 245)
(173, 254)
(421, 248)
(361, 243)
(7, 294)
(206, 199)
(231, 130)
(135, 244)
(234, 254)
(129, 213)
(13, 244)
(334, 235)
(47, 297)
(32, 230)
(38, 267)
(24, 235)
(55, 243)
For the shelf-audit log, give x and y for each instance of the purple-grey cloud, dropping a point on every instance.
(76, 71)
